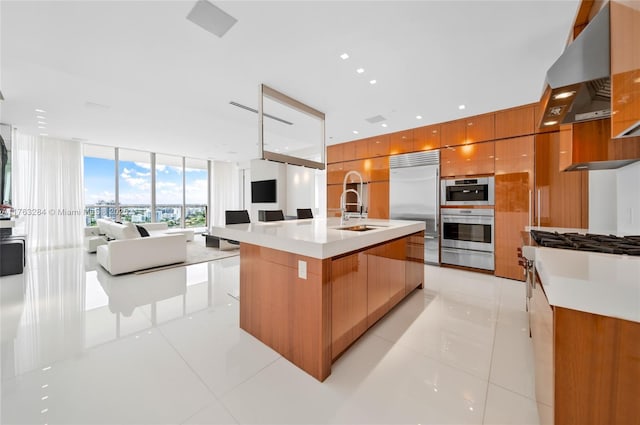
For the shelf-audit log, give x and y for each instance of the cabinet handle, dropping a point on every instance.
(538, 207)
(530, 212)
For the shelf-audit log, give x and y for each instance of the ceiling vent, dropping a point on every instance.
(211, 18)
(376, 119)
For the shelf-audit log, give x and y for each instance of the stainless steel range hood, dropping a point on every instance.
(579, 82)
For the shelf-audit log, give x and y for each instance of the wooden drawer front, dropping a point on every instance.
(515, 122)
(467, 160)
(401, 142)
(426, 138)
(480, 128)
(378, 146)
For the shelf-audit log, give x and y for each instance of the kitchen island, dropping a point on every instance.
(585, 325)
(310, 288)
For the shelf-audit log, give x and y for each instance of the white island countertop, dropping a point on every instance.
(604, 284)
(319, 237)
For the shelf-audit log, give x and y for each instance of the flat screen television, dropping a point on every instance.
(263, 191)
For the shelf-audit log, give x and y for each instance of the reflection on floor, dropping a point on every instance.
(80, 346)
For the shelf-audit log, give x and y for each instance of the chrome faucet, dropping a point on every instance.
(344, 216)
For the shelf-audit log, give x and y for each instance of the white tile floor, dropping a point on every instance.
(82, 347)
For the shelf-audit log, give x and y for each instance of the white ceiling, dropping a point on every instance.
(138, 74)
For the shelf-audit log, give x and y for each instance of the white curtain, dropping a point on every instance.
(48, 191)
(225, 190)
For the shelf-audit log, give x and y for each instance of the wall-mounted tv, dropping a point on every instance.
(263, 191)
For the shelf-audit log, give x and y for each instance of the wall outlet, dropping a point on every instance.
(302, 269)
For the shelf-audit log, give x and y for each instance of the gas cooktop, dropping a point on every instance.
(609, 244)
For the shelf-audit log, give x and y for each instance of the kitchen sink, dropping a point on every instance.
(361, 227)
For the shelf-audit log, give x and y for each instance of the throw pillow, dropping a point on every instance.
(128, 231)
(143, 232)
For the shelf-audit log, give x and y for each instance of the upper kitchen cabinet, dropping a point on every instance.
(335, 153)
(561, 198)
(480, 128)
(401, 142)
(467, 160)
(453, 133)
(625, 68)
(515, 122)
(426, 138)
(378, 146)
(361, 149)
(335, 173)
(588, 145)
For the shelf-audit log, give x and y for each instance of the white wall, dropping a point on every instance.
(614, 200)
(628, 208)
(300, 189)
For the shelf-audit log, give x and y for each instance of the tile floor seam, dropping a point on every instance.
(514, 392)
(493, 347)
(225, 393)
(207, 406)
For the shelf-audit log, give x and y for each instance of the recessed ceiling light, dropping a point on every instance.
(42, 122)
(372, 82)
(384, 125)
(461, 107)
(355, 131)
(44, 134)
(344, 56)
(418, 117)
(41, 127)
(550, 123)
(40, 117)
(42, 111)
(360, 70)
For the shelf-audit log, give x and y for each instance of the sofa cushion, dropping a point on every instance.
(143, 232)
(103, 225)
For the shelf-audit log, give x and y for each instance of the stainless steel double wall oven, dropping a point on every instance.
(468, 233)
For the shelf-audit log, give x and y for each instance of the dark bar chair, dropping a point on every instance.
(236, 217)
(304, 213)
(270, 215)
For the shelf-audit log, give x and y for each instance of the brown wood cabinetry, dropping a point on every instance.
(377, 168)
(335, 173)
(426, 138)
(335, 153)
(590, 141)
(415, 262)
(386, 278)
(349, 151)
(514, 184)
(480, 128)
(333, 199)
(361, 149)
(378, 199)
(561, 198)
(515, 122)
(378, 146)
(625, 66)
(467, 160)
(348, 300)
(453, 133)
(401, 142)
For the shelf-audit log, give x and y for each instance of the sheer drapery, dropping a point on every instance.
(225, 190)
(48, 192)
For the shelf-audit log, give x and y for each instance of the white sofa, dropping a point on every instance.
(129, 252)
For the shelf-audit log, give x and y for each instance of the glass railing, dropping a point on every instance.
(195, 215)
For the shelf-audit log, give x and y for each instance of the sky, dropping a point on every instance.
(135, 183)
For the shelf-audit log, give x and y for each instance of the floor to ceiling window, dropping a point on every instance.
(134, 185)
(119, 184)
(196, 177)
(99, 183)
(169, 193)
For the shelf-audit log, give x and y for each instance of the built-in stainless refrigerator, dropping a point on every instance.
(414, 194)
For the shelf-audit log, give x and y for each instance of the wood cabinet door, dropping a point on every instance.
(415, 262)
(561, 199)
(348, 300)
(426, 138)
(362, 166)
(515, 122)
(467, 160)
(378, 284)
(378, 168)
(480, 128)
(379, 146)
(333, 199)
(349, 151)
(514, 181)
(396, 254)
(401, 142)
(335, 153)
(625, 66)
(541, 319)
(362, 148)
(335, 173)
(378, 200)
(453, 133)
